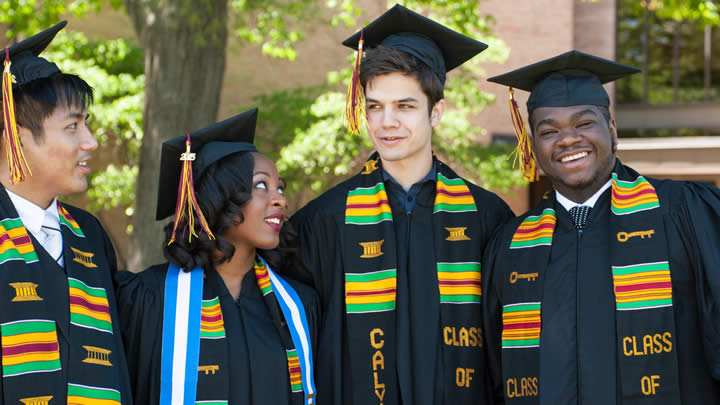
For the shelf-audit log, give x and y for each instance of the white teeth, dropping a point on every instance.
(273, 220)
(82, 164)
(574, 157)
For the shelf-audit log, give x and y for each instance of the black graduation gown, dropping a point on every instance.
(420, 371)
(53, 288)
(257, 358)
(578, 343)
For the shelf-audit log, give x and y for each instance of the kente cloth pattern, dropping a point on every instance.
(642, 287)
(179, 382)
(58, 326)
(370, 257)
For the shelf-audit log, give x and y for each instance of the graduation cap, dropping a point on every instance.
(439, 47)
(573, 78)
(188, 156)
(21, 66)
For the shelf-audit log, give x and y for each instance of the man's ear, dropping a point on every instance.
(613, 134)
(437, 112)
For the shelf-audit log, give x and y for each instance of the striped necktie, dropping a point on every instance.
(53, 238)
(579, 214)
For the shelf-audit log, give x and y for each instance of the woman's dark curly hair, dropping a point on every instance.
(222, 190)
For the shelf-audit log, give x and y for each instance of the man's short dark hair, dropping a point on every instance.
(383, 60)
(38, 99)
(603, 110)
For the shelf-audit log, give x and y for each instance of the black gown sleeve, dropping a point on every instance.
(140, 306)
(320, 247)
(699, 218)
(492, 312)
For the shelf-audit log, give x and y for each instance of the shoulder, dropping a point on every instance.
(306, 293)
(149, 283)
(87, 221)
(329, 204)
(487, 199)
(678, 193)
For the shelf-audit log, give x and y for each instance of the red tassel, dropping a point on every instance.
(355, 101)
(523, 151)
(187, 200)
(13, 149)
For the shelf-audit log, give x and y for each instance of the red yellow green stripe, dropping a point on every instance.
(367, 206)
(452, 195)
(521, 325)
(535, 230)
(629, 197)
(15, 243)
(87, 395)
(263, 278)
(294, 370)
(642, 286)
(459, 283)
(67, 220)
(370, 292)
(211, 320)
(89, 307)
(29, 346)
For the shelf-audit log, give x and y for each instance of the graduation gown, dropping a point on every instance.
(578, 343)
(258, 363)
(421, 373)
(51, 292)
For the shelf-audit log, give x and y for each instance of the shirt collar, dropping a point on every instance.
(32, 215)
(432, 174)
(567, 203)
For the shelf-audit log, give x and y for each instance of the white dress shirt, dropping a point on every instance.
(590, 202)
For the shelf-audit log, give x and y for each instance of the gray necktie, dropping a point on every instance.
(579, 214)
(53, 239)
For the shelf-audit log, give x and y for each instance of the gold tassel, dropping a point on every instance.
(187, 200)
(523, 151)
(13, 149)
(355, 101)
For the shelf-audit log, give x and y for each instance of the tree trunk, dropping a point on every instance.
(184, 43)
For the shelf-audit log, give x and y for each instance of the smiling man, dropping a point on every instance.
(607, 292)
(58, 322)
(395, 250)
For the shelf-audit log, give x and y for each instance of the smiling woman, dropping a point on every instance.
(249, 327)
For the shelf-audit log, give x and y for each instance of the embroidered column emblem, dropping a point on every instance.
(37, 400)
(208, 369)
(83, 258)
(370, 166)
(25, 291)
(372, 249)
(97, 355)
(457, 234)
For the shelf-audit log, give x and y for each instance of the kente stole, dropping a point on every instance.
(194, 334)
(370, 261)
(45, 308)
(642, 288)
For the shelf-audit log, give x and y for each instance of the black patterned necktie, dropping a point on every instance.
(579, 214)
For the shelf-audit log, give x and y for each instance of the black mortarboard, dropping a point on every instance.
(26, 64)
(434, 44)
(573, 78)
(209, 145)
(21, 66)
(439, 47)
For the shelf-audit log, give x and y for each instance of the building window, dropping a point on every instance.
(680, 62)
